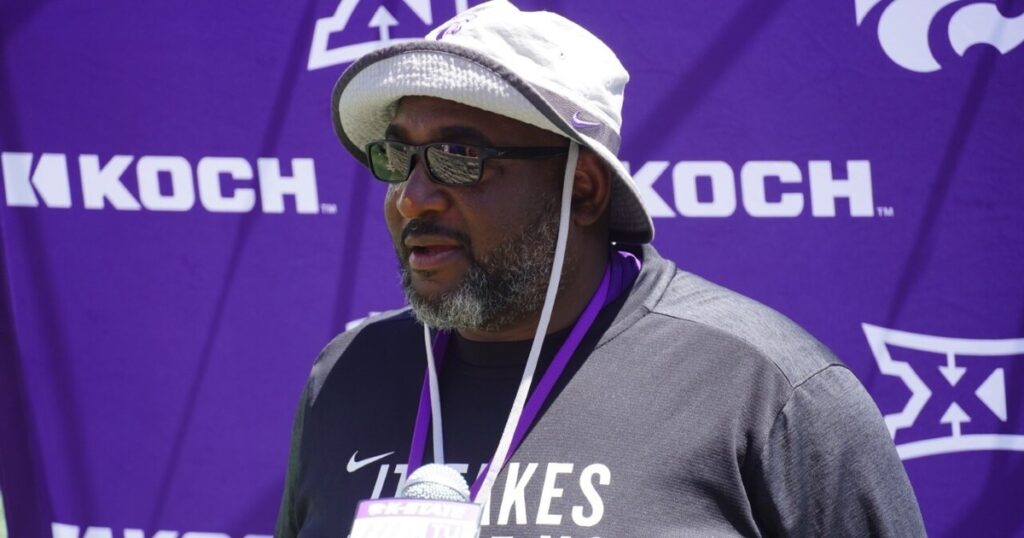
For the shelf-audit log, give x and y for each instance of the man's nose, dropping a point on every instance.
(419, 195)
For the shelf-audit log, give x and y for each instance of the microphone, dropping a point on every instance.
(433, 502)
(436, 482)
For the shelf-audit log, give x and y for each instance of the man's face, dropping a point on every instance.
(476, 256)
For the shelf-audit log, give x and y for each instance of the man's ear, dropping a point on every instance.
(591, 189)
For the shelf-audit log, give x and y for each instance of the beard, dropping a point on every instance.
(504, 287)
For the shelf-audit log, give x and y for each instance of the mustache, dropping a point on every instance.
(426, 227)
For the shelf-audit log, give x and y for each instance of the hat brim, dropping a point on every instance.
(366, 95)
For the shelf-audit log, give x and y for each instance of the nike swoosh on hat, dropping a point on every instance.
(580, 121)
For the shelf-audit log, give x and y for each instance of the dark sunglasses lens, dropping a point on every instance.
(454, 164)
(390, 162)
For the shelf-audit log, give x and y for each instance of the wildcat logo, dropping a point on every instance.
(321, 54)
(904, 26)
(964, 379)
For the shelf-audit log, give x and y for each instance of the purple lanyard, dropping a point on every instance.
(620, 272)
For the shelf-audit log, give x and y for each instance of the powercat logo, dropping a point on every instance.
(904, 29)
(346, 20)
(959, 398)
(161, 183)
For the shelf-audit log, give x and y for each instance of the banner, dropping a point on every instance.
(182, 232)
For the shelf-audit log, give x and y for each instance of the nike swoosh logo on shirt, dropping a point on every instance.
(354, 464)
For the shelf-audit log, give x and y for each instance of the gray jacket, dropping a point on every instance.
(692, 411)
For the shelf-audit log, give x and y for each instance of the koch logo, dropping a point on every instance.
(369, 33)
(962, 394)
(905, 25)
(161, 183)
(762, 189)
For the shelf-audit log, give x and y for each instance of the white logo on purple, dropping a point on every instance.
(904, 28)
(957, 388)
(322, 55)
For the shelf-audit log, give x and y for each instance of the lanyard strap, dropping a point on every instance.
(619, 274)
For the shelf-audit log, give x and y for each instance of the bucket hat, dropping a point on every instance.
(535, 67)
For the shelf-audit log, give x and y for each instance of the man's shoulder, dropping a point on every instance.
(376, 325)
(378, 334)
(730, 318)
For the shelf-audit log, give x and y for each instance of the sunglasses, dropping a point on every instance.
(447, 164)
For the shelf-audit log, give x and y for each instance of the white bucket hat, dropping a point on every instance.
(535, 67)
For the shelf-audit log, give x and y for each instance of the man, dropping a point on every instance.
(586, 387)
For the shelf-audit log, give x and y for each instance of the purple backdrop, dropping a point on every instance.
(181, 232)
